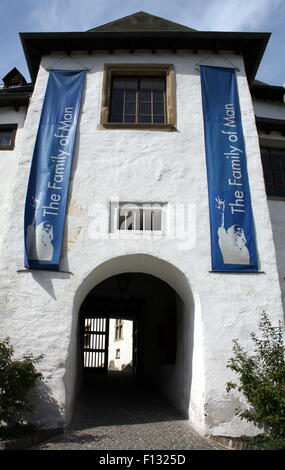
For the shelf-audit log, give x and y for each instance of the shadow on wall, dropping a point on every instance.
(46, 412)
(45, 279)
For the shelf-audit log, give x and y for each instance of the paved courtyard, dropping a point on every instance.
(121, 413)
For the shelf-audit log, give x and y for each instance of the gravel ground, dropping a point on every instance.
(121, 413)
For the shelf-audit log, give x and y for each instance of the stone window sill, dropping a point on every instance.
(139, 126)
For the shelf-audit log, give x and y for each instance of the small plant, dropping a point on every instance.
(17, 377)
(262, 381)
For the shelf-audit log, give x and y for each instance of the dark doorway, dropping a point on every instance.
(150, 305)
(157, 316)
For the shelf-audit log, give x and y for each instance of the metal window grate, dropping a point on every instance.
(142, 217)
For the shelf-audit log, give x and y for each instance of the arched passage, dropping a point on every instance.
(159, 300)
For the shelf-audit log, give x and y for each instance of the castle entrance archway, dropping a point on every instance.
(148, 306)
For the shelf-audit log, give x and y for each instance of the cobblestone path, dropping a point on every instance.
(120, 413)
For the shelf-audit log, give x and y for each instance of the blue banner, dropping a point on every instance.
(233, 243)
(50, 169)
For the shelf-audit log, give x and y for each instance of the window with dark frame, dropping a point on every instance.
(118, 329)
(138, 96)
(7, 136)
(138, 100)
(273, 162)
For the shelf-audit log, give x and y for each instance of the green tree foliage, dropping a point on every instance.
(262, 379)
(17, 377)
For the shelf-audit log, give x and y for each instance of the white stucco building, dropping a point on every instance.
(137, 237)
(120, 352)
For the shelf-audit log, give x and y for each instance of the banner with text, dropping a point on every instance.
(233, 243)
(50, 169)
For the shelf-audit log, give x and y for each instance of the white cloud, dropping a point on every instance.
(68, 15)
(72, 15)
(219, 15)
(238, 15)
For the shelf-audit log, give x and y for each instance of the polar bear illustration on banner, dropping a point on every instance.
(232, 241)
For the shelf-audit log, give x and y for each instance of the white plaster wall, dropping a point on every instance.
(8, 163)
(277, 215)
(276, 205)
(125, 345)
(39, 310)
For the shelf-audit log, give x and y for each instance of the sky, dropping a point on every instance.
(205, 15)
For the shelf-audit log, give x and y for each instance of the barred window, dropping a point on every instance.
(141, 217)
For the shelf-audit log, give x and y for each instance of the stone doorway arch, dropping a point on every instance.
(160, 276)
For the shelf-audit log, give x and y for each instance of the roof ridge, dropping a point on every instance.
(141, 21)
